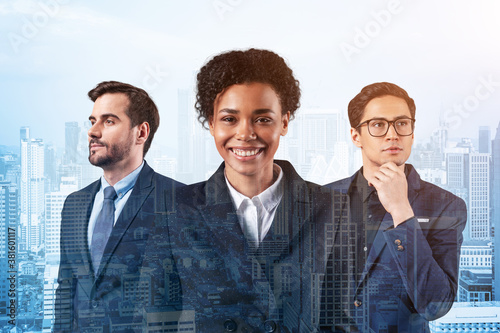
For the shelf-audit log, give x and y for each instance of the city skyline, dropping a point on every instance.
(52, 52)
(457, 166)
(55, 51)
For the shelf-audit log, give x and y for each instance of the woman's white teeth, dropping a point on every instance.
(245, 153)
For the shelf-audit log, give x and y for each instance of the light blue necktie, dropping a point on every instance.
(103, 227)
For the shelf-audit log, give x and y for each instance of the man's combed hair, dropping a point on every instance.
(244, 67)
(357, 105)
(141, 107)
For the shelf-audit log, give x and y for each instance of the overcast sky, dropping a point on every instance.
(445, 54)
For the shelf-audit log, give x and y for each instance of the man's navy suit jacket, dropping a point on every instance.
(115, 295)
(411, 272)
(230, 286)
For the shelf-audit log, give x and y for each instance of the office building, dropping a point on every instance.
(32, 193)
(495, 211)
(484, 139)
(469, 317)
(474, 285)
(476, 254)
(479, 196)
(468, 176)
(8, 236)
(54, 202)
(72, 132)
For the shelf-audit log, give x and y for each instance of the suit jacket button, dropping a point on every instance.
(269, 326)
(230, 325)
(401, 248)
(357, 303)
(397, 242)
(94, 304)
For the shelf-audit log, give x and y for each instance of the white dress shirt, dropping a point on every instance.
(256, 214)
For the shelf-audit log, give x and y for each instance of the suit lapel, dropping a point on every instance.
(345, 186)
(293, 211)
(376, 248)
(223, 225)
(76, 222)
(220, 216)
(287, 241)
(414, 184)
(379, 242)
(217, 220)
(295, 207)
(142, 189)
(85, 250)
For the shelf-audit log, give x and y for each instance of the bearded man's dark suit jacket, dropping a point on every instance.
(115, 295)
(411, 271)
(232, 287)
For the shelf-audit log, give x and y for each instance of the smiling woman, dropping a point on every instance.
(248, 98)
(253, 209)
(246, 126)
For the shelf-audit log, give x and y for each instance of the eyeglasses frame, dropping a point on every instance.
(390, 122)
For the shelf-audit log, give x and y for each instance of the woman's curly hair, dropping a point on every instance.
(241, 67)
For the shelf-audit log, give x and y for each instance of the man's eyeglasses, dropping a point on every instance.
(380, 127)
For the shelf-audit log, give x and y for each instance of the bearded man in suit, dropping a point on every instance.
(106, 226)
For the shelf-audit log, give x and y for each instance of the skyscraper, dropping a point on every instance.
(72, 132)
(320, 131)
(456, 170)
(51, 183)
(8, 225)
(32, 193)
(184, 135)
(24, 133)
(495, 216)
(457, 174)
(479, 196)
(468, 174)
(54, 202)
(484, 139)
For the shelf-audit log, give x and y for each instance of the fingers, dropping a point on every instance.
(386, 173)
(389, 177)
(390, 169)
(391, 166)
(392, 187)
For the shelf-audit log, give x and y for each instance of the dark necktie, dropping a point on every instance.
(103, 227)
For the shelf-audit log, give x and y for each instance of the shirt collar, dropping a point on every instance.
(269, 198)
(125, 184)
(362, 185)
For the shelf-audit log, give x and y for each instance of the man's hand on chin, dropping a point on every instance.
(392, 189)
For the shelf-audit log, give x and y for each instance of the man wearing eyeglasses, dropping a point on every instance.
(395, 256)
